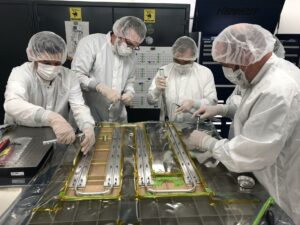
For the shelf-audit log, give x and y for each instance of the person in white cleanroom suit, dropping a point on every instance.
(105, 64)
(186, 84)
(39, 92)
(236, 96)
(266, 122)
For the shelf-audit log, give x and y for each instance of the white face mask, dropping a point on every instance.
(183, 69)
(236, 77)
(48, 72)
(122, 49)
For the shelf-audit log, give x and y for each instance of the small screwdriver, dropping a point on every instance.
(55, 140)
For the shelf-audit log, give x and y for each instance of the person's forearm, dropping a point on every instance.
(82, 116)
(26, 113)
(153, 96)
(86, 82)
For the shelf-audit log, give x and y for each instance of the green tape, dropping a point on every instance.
(177, 181)
(264, 208)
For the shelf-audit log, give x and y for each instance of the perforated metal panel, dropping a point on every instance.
(33, 156)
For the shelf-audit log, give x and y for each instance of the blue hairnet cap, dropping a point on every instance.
(46, 45)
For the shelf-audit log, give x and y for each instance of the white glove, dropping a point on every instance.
(201, 141)
(62, 129)
(186, 106)
(127, 97)
(88, 141)
(161, 83)
(210, 111)
(111, 94)
(201, 156)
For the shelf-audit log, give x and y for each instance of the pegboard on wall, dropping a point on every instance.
(31, 16)
(149, 60)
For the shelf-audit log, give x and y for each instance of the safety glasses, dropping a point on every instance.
(49, 62)
(182, 62)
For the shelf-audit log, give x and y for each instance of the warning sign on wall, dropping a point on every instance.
(149, 15)
(75, 13)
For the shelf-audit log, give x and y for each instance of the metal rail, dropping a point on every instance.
(114, 160)
(144, 171)
(154, 191)
(81, 171)
(112, 178)
(190, 175)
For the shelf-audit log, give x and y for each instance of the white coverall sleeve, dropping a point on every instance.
(235, 97)
(153, 93)
(233, 101)
(129, 86)
(262, 137)
(209, 92)
(81, 112)
(16, 102)
(83, 62)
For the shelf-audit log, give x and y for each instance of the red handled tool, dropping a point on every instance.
(4, 143)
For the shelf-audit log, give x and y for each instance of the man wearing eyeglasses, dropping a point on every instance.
(105, 64)
(186, 85)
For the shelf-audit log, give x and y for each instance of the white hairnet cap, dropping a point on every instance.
(46, 45)
(124, 26)
(278, 48)
(185, 48)
(242, 44)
